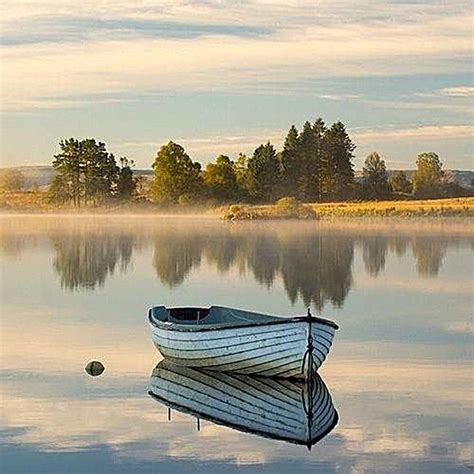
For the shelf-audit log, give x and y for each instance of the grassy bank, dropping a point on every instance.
(460, 207)
(286, 208)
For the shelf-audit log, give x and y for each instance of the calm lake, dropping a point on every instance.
(399, 374)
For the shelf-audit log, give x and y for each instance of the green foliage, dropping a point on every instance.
(126, 184)
(289, 162)
(375, 176)
(59, 191)
(175, 175)
(264, 172)
(245, 182)
(85, 172)
(428, 176)
(317, 163)
(337, 173)
(11, 180)
(307, 180)
(399, 183)
(220, 180)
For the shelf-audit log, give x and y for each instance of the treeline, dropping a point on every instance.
(314, 165)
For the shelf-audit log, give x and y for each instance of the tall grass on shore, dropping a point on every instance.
(461, 207)
(285, 208)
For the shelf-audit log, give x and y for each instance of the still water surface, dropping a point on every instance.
(76, 289)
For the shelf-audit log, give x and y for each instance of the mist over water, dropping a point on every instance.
(77, 289)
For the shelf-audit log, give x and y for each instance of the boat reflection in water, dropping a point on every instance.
(288, 410)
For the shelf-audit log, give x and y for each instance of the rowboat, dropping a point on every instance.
(234, 340)
(289, 410)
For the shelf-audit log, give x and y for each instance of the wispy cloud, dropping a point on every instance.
(205, 148)
(429, 131)
(460, 91)
(220, 45)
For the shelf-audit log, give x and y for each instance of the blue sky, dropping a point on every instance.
(223, 76)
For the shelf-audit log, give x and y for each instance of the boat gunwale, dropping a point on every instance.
(242, 428)
(186, 328)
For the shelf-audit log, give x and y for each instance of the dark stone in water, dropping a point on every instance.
(95, 368)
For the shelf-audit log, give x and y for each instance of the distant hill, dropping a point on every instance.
(43, 175)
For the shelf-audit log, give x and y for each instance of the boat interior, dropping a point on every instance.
(214, 315)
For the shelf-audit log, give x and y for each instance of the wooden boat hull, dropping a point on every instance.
(274, 349)
(297, 412)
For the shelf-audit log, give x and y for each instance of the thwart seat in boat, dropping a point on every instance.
(293, 411)
(228, 339)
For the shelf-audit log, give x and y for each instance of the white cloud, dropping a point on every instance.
(423, 132)
(459, 91)
(307, 42)
(232, 144)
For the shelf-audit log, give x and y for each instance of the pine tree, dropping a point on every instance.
(289, 163)
(308, 171)
(264, 170)
(126, 183)
(85, 170)
(319, 130)
(337, 173)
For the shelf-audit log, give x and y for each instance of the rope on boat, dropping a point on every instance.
(308, 360)
(309, 406)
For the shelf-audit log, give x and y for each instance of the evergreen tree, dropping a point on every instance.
(289, 163)
(337, 173)
(308, 169)
(264, 172)
(375, 176)
(319, 130)
(59, 191)
(85, 170)
(100, 171)
(176, 177)
(126, 183)
(69, 166)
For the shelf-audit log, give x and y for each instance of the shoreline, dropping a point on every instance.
(361, 210)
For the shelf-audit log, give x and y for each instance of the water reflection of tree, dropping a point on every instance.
(85, 260)
(315, 268)
(374, 252)
(262, 254)
(318, 269)
(315, 265)
(175, 255)
(429, 253)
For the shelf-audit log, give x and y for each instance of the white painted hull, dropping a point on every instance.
(297, 412)
(270, 350)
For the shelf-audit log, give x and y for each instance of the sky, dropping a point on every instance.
(223, 76)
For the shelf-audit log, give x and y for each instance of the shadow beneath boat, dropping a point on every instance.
(281, 409)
